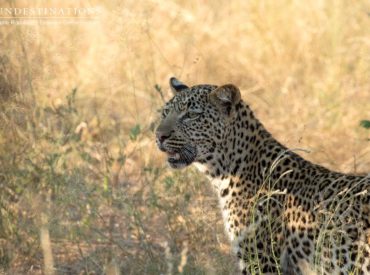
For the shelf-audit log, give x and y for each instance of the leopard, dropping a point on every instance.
(282, 213)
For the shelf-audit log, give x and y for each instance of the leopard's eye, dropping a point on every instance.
(165, 112)
(193, 114)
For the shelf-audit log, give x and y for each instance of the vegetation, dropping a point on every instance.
(84, 189)
(365, 124)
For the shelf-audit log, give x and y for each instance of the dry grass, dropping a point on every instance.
(78, 107)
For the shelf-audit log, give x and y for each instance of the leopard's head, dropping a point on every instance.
(195, 121)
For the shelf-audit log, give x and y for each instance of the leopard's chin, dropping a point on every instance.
(177, 164)
(181, 158)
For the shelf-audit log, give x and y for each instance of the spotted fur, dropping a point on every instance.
(283, 214)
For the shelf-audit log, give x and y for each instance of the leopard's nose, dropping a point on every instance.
(162, 136)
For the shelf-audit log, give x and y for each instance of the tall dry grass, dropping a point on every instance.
(79, 104)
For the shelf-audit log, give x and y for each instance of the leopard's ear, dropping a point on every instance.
(225, 97)
(176, 85)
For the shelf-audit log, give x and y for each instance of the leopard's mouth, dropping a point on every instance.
(181, 157)
(173, 157)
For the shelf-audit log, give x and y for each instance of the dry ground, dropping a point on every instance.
(83, 186)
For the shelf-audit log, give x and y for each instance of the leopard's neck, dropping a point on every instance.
(247, 153)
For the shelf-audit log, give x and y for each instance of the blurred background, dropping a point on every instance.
(84, 189)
